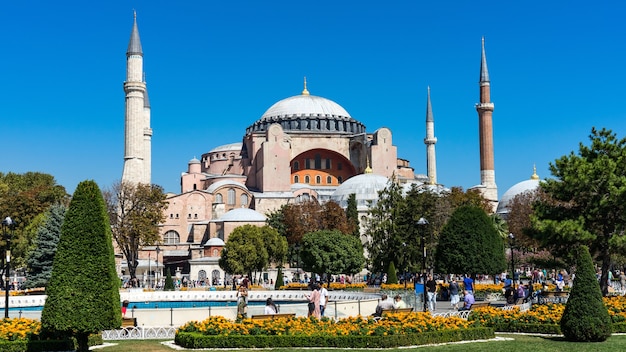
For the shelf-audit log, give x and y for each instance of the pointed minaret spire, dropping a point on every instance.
(534, 176)
(430, 140)
(134, 45)
(484, 72)
(485, 128)
(305, 91)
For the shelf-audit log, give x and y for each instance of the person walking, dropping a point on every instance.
(314, 302)
(323, 299)
(431, 287)
(454, 294)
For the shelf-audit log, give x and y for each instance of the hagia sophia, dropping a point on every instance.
(303, 147)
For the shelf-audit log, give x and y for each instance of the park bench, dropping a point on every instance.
(553, 297)
(480, 304)
(273, 316)
(129, 322)
(396, 311)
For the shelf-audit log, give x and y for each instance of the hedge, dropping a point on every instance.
(198, 340)
(46, 345)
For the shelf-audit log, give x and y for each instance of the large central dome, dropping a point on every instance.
(308, 113)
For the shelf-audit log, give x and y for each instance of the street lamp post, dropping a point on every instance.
(7, 223)
(297, 248)
(512, 245)
(422, 223)
(149, 269)
(158, 250)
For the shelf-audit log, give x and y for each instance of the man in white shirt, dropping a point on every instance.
(323, 299)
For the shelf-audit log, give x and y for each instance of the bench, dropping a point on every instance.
(396, 311)
(553, 297)
(129, 322)
(273, 316)
(479, 304)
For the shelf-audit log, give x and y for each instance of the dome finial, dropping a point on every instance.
(305, 91)
(368, 169)
(534, 175)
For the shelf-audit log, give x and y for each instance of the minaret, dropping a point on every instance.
(485, 128)
(147, 139)
(135, 116)
(430, 140)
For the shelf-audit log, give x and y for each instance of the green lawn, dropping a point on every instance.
(520, 343)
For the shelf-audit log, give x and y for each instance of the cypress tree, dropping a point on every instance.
(83, 292)
(39, 264)
(169, 283)
(392, 278)
(352, 214)
(279, 279)
(586, 318)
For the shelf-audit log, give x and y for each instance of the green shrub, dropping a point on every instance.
(586, 318)
(392, 278)
(552, 329)
(279, 279)
(169, 283)
(198, 340)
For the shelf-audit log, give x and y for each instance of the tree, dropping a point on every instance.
(352, 214)
(332, 252)
(244, 251)
(135, 211)
(301, 218)
(275, 245)
(469, 243)
(40, 260)
(586, 318)
(392, 278)
(24, 197)
(585, 202)
(83, 292)
(169, 282)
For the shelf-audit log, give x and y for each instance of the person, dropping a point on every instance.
(270, 307)
(398, 302)
(323, 299)
(508, 282)
(468, 300)
(384, 303)
(314, 302)
(431, 287)
(125, 304)
(454, 294)
(242, 301)
(521, 291)
(468, 282)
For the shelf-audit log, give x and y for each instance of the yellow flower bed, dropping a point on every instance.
(396, 287)
(18, 329)
(362, 326)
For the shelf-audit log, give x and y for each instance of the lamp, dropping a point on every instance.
(149, 269)
(7, 223)
(297, 248)
(512, 245)
(422, 223)
(158, 250)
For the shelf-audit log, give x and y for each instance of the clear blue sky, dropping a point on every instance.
(557, 68)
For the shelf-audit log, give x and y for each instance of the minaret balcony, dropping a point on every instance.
(484, 106)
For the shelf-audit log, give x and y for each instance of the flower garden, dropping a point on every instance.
(393, 330)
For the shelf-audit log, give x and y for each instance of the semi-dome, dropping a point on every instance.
(214, 242)
(242, 214)
(365, 187)
(518, 188)
(308, 113)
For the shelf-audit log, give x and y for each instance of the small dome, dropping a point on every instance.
(194, 161)
(213, 187)
(518, 188)
(242, 214)
(364, 186)
(214, 242)
(227, 148)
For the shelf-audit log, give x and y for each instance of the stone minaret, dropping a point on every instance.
(485, 127)
(137, 134)
(430, 141)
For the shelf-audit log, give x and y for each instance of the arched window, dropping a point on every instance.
(296, 165)
(318, 179)
(215, 252)
(339, 179)
(329, 179)
(231, 196)
(307, 179)
(219, 199)
(244, 199)
(201, 275)
(215, 276)
(296, 179)
(171, 237)
(318, 161)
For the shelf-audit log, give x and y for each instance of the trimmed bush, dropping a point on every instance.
(169, 283)
(198, 340)
(279, 279)
(392, 278)
(586, 318)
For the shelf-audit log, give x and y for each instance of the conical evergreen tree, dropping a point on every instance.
(586, 318)
(83, 292)
(279, 279)
(352, 214)
(392, 277)
(39, 264)
(169, 283)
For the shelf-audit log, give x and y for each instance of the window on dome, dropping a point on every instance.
(296, 165)
(318, 179)
(244, 199)
(338, 166)
(328, 165)
(296, 179)
(307, 179)
(329, 179)
(231, 196)
(340, 179)
(219, 199)
(307, 163)
(318, 161)
(171, 237)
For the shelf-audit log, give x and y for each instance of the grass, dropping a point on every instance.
(520, 343)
